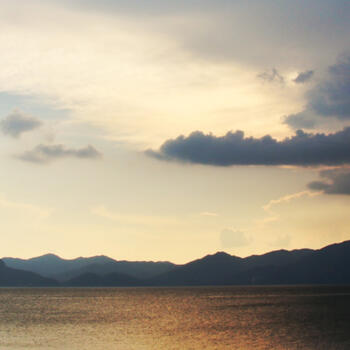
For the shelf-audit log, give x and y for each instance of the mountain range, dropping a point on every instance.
(53, 266)
(329, 265)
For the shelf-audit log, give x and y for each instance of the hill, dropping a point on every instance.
(18, 278)
(53, 266)
(329, 265)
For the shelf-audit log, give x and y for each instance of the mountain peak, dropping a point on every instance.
(220, 257)
(221, 253)
(47, 257)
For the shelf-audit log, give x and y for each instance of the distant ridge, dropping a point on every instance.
(52, 266)
(329, 265)
(18, 278)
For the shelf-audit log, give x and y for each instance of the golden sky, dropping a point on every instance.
(119, 127)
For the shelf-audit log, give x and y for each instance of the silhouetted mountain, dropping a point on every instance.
(50, 265)
(53, 266)
(212, 269)
(110, 280)
(137, 269)
(18, 278)
(329, 265)
(276, 258)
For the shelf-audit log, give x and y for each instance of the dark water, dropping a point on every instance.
(246, 318)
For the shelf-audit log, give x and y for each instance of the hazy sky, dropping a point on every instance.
(167, 130)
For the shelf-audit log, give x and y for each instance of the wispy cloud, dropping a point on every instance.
(273, 215)
(36, 211)
(43, 154)
(287, 198)
(272, 76)
(210, 214)
(149, 220)
(233, 238)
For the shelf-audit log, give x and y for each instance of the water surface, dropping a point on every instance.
(242, 318)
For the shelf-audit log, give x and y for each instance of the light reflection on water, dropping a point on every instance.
(242, 318)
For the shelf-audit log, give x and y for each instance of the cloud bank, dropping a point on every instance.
(43, 154)
(17, 123)
(302, 149)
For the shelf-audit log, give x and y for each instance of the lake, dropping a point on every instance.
(242, 318)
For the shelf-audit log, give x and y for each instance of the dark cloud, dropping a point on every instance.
(303, 149)
(300, 120)
(335, 181)
(304, 77)
(329, 99)
(43, 154)
(332, 97)
(17, 123)
(271, 76)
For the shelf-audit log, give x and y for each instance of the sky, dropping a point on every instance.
(169, 130)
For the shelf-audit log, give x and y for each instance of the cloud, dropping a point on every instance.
(133, 219)
(208, 213)
(332, 97)
(302, 149)
(336, 181)
(329, 99)
(273, 216)
(271, 76)
(302, 120)
(287, 198)
(230, 239)
(269, 207)
(282, 241)
(36, 211)
(160, 62)
(304, 77)
(17, 123)
(214, 29)
(44, 154)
